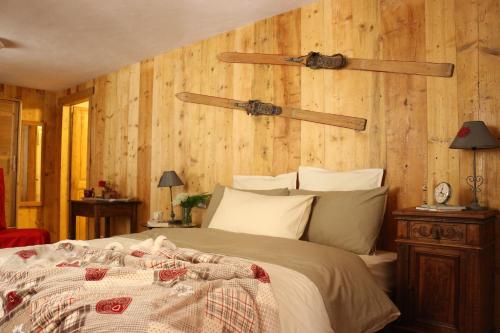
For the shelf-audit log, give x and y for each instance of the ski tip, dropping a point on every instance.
(362, 125)
(449, 70)
(225, 56)
(182, 96)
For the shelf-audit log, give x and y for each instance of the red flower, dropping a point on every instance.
(102, 183)
(463, 132)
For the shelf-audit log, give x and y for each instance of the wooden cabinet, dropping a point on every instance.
(445, 272)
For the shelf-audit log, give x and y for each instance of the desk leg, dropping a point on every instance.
(133, 220)
(72, 226)
(107, 227)
(97, 226)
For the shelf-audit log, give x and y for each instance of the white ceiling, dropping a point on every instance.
(55, 44)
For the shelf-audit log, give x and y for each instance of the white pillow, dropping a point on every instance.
(317, 179)
(277, 216)
(286, 180)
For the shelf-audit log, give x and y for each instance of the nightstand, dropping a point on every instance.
(445, 270)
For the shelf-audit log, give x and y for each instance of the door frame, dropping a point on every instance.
(15, 163)
(65, 104)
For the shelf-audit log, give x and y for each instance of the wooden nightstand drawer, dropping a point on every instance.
(438, 232)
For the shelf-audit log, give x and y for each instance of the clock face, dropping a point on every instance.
(442, 193)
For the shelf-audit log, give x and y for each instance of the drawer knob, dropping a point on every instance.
(436, 232)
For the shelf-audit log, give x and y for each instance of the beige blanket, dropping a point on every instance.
(69, 288)
(352, 298)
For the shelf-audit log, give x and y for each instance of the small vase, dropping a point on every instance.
(186, 216)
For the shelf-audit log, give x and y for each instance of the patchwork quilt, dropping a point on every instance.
(72, 288)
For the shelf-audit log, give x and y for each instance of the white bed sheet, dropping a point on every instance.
(382, 265)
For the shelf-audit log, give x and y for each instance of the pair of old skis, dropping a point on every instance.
(314, 60)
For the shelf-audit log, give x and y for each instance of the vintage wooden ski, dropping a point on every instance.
(315, 60)
(257, 108)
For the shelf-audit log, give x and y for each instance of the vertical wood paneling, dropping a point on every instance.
(132, 127)
(224, 119)
(144, 140)
(312, 148)
(243, 127)
(286, 91)
(442, 115)
(467, 73)
(97, 131)
(404, 100)
(265, 41)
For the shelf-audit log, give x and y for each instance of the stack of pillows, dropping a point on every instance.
(340, 209)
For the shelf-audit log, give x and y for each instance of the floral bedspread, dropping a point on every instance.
(71, 288)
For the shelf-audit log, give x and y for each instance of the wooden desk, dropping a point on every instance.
(100, 208)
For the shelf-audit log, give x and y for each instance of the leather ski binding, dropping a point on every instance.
(255, 107)
(316, 60)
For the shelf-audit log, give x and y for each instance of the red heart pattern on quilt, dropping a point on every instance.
(13, 300)
(137, 253)
(26, 254)
(95, 274)
(170, 274)
(113, 305)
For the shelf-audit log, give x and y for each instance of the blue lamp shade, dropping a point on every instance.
(474, 135)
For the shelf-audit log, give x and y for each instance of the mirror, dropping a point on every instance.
(30, 164)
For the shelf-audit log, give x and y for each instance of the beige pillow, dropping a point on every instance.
(317, 179)
(216, 198)
(257, 214)
(286, 180)
(350, 220)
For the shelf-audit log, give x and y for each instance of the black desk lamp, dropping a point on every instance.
(474, 135)
(169, 179)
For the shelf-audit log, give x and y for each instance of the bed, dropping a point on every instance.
(305, 265)
(312, 294)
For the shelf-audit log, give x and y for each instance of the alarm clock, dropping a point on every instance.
(442, 193)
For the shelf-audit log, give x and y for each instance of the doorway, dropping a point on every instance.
(74, 163)
(9, 135)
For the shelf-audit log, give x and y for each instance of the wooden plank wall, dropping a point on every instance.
(38, 105)
(138, 128)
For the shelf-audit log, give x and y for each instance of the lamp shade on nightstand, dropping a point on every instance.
(170, 178)
(474, 135)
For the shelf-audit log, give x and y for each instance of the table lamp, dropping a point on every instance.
(170, 179)
(474, 135)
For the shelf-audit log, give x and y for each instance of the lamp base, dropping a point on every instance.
(174, 221)
(476, 207)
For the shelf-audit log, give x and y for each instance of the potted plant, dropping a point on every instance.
(187, 202)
